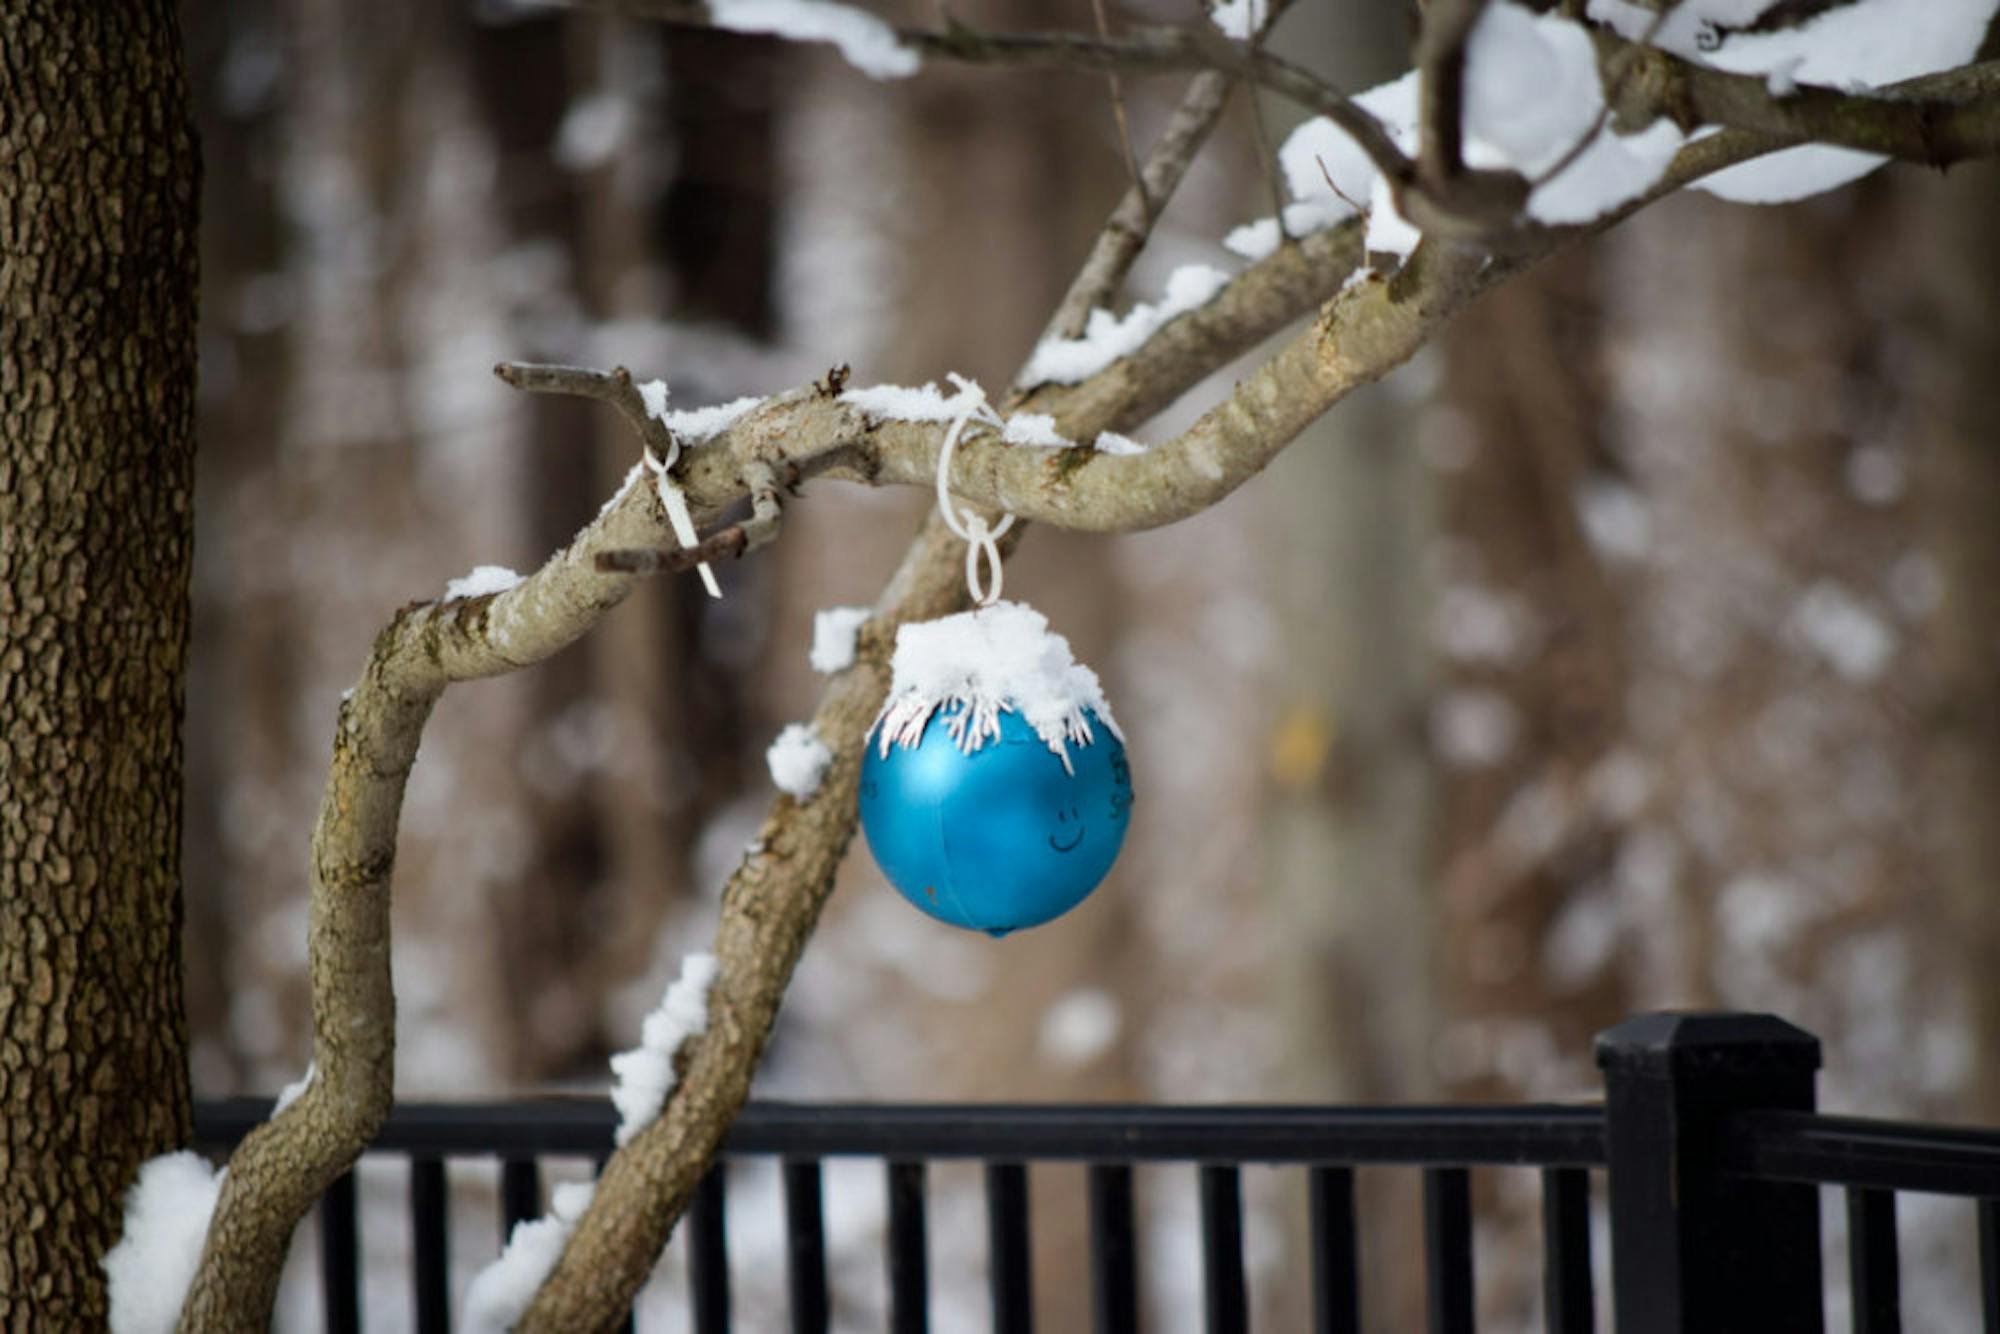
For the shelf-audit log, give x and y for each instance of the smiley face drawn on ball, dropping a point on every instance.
(1068, 818)
(1121, 791)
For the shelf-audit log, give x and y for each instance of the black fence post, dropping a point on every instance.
(1694, 1251)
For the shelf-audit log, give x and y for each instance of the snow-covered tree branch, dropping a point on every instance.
(1520, 134)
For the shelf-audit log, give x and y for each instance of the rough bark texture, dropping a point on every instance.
(97, 311)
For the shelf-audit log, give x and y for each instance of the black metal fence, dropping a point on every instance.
(1707, 1134)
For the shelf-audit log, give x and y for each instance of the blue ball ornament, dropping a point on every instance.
(1002, 836)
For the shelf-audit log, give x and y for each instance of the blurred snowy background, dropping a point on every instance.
(1633, 648)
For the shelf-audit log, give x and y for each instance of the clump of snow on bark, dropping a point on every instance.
(1533, 94)
(1835, 624)
(926, 403)
(833, 638)
(484, 579)
(166, 1220)
(1110, 442)
(500, 1293)
(653, 393)
(1107, 337)
(295, 1090)
(695, 425)
(983, 662)
(798, 760)
(1857, 46)
(1240, 19)
(646, 1073)
(1253, 240)
(1319, 151)
(864, 41)
(1037, 429)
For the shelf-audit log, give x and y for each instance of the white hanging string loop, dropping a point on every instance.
(982, 541)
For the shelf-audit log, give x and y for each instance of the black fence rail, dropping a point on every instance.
(1713, 1155)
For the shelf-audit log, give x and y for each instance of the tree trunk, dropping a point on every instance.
(97, 279)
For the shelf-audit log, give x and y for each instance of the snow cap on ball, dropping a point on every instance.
(999, 658)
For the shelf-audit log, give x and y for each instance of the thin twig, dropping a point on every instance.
(1118, 114)
(1131, 222)
(1266, 158)
(1447, 27)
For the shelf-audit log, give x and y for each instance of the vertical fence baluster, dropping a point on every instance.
(708, 1255)
(1873, 1282)
(909, 1263)
(1448, 1248)
(1567, 1298)
(1226, 1301)
(1113, 1263)
(1010, 1271)
(339, 1270)
(430, 1249)
(805, 1246)
(1336, 1267)
(1989, 1263)
(520, 1194)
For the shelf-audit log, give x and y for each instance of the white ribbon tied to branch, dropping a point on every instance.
(675, 502)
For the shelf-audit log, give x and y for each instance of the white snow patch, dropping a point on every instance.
(1319, 149)
(1877, 475)
(1474, 728)
(1253, 240)
(654, 394)
(1106, 338)
(166, 1220)
(592, 129)
(1582, 939)
(1240, 19)
(798, 760)
(864, 41)
(645, 1074)
(1783, 78)
(833, 638)
(484, 579)
(1616, 519)
(696, 425)
(1080, 1027)
(1110, 442)
(1533, 93)
(1835, 624)
(989, 660)
(1037, 429)
(500, 1293)
(1858, 46)
(901, 403)
(293, 1091)
(1475, 624)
